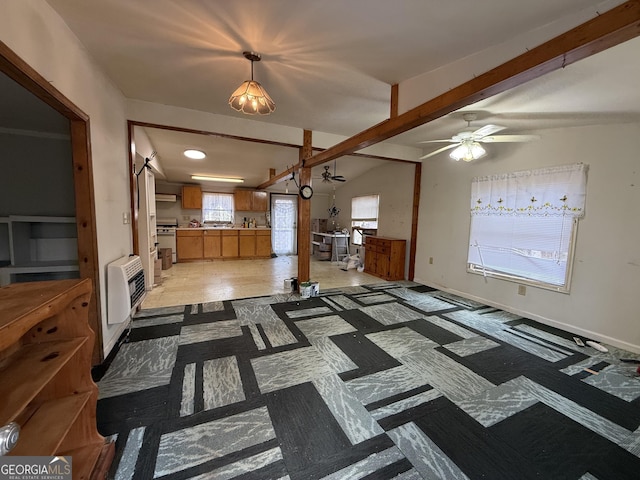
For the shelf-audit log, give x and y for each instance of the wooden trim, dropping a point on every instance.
(606, 30)
(133, 189)
(393, 110)
(414, 221)
(22, 73)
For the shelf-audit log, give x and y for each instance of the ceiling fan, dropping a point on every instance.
(328, 178)
(467, 144)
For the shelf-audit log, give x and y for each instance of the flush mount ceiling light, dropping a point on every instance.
(217, 179)
(468, 151)
(195, 154)
(251, 97)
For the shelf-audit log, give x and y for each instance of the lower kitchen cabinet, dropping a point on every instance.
(212, 244)
(263, 243)
(229, 243)
(247, 243)
(189, 245)
(384, 257)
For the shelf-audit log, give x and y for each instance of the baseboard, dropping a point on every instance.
(538, 318)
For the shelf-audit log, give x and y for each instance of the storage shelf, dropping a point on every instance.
(41, 219)
(34, 441)
(28, 372)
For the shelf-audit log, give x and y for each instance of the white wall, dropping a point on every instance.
(394, 183)
(606, 275)
(40, 37)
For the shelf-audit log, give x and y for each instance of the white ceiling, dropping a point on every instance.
(329, 66)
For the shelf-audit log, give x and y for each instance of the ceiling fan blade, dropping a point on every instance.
(508, 138)
(339, 179)
(487, 130)
(438, 141)
(435, 152)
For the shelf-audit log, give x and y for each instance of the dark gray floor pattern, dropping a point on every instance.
(393, 380)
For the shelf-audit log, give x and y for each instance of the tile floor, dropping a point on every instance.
(378, 381)
(210, 281)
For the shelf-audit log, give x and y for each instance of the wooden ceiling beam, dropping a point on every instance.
(611, 28)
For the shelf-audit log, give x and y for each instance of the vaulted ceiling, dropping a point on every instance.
(329, 65)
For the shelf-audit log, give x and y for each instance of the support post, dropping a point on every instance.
(304, 213)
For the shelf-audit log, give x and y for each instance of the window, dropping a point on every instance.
(524, 225)
(364, 216)
(217, 207)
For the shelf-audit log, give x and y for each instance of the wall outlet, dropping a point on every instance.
(430, 260)
(185, 217)
(522, 290)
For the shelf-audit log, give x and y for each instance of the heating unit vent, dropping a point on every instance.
(125, 288)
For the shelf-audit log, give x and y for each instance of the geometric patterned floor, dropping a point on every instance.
(392, 380)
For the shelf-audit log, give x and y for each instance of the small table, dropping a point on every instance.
(339, 244)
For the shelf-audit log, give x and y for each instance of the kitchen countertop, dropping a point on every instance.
(222, 228)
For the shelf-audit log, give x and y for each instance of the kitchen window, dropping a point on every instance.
(524, 225)
(364, 216)
(217, 207)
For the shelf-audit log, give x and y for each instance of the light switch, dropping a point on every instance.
(126, 218)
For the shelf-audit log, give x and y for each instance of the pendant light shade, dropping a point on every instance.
(251, 97)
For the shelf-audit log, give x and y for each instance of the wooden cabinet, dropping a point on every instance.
(192, 197)
(189, 245)
(229, 243)
(212, 244)
(384, 257)
(251, 200)
(247, 243)
(263, 243)
(223, 243)
(45, 378)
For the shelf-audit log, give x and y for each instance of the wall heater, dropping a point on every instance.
(125, 288)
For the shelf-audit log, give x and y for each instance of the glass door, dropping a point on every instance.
(284, 215)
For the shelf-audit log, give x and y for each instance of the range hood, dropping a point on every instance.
(165, 197)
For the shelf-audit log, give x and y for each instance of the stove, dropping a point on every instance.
(166, 230)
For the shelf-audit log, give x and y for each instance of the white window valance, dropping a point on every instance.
(558, 191)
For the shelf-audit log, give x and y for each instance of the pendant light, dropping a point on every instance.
(251, 97)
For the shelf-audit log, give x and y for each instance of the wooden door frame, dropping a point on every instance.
(27, 77)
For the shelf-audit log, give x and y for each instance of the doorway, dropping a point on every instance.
(284, 215)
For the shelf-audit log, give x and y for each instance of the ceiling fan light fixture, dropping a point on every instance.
(251, 97)
(468, 151)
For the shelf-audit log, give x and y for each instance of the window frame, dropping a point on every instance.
(233, 211)
(359, 228)
(565, 288)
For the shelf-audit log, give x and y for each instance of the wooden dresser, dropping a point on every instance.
(384, 257)
(45, 373)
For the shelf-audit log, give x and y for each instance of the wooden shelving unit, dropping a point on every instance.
(45, 372)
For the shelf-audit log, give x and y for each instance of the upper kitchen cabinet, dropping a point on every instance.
(192, 197)
(251, 200)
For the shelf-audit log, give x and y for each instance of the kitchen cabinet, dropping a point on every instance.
(263, 243)
(229, 243)
(247, 243)
(212, 244)
(45, 381)
(189, 245)
(384, 257)
(251, 200)
(192, 197)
